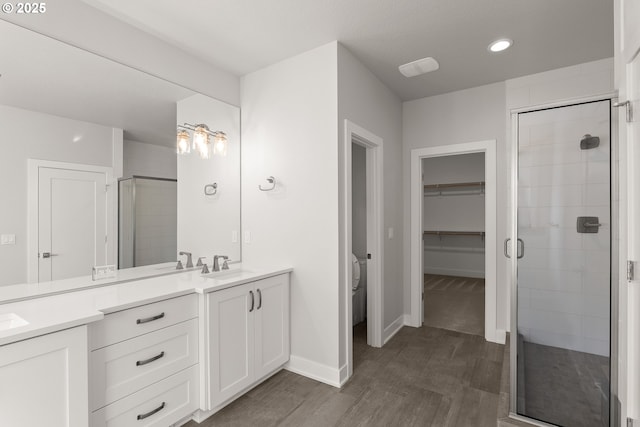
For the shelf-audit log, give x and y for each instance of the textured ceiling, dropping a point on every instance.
(242, 36)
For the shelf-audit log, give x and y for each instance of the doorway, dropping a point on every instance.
(359, 247)
(488, 148)
(454, 237)
(70, 220)
(365, 223)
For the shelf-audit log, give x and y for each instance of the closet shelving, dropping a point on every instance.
(441, 233)
(454, 189)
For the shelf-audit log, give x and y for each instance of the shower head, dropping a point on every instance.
(588, 142)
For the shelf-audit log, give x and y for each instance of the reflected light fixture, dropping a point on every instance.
(220, 144)
(183, 145)
(201, 140)
(500, 45)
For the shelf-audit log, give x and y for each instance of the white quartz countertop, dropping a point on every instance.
(52, 313)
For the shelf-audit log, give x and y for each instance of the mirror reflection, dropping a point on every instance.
(89, 174)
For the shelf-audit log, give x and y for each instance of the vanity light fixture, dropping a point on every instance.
(201, 140)
(183, 145)
(500, 45)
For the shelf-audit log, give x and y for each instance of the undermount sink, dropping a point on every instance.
(227, 274)
(10, 321)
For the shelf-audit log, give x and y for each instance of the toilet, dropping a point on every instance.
(355, 275)
(359, 289)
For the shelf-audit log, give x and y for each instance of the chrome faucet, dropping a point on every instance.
(189, 261)
(216, 263)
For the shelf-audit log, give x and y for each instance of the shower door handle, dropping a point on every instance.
(519, 245)
(520, 248)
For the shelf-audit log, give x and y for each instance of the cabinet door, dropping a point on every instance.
(231, 339)
(272, 324)
(44, 381)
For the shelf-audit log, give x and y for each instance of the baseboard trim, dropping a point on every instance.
(476, 274)
(407, 319)
(316, 371)
(392, 329)
(344, 374)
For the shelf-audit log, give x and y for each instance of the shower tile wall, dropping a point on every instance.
(563, 291)
(156, 221)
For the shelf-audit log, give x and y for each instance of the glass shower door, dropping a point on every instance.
(563, 265)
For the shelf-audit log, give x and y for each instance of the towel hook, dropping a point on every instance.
(271, 180)
(211, 189)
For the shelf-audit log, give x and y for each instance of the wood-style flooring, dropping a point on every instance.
(454, 303)
(422, 377)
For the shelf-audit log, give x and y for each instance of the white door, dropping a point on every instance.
(231, 340)
(628, 72)
(72, 222)
(272, 324)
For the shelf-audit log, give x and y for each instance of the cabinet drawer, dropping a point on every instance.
(136, 321)
(124, 368)
(159, 405)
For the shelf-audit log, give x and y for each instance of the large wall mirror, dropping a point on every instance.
(89, 173)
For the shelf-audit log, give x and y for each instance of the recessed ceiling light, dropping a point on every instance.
(421, 66)
(500, 45)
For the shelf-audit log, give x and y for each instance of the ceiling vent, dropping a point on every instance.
(421, 66)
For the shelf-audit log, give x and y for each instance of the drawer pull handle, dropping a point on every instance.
(259, 300)
(149, 319)
(152, 359)
(154, 411)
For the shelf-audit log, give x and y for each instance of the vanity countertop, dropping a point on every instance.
(25, 291)
(41, 315)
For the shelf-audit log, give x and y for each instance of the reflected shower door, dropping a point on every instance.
(563, 269)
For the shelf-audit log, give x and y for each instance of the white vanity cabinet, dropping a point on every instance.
(43, 380)
(246, 330)
(143, 364)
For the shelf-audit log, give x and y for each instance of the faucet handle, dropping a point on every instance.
(225, 265)
(179, 266)
(205, 269)
(189, 261)
(199, 263)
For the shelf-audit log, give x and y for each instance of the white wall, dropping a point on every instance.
(206, 224)
(484, 113)
(454, 210)
(79, 24)
(32, 135)
(142, 159)
(469, 115)
(368, 103)
(290, 131)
